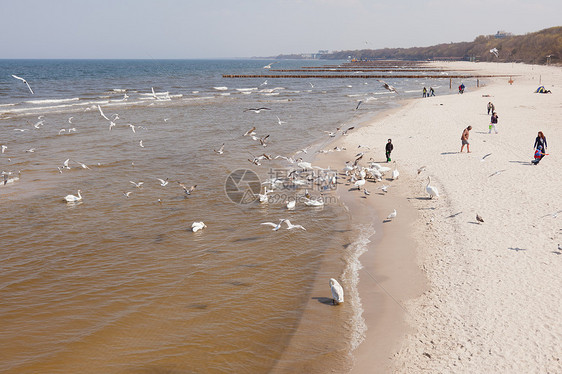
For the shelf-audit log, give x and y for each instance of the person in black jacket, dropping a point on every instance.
(389, 148)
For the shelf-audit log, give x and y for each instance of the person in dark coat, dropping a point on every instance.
(389, 148)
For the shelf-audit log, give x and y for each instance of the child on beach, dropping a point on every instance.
(389, 148)
(539, 154)
(491, 107)
(493, 123)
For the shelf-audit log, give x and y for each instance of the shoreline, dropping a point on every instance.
(474, 272)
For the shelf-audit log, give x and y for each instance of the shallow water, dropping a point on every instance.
(121, 284)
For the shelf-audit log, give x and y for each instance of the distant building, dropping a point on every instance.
(502, 34)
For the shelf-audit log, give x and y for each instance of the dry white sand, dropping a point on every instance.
(493, 301)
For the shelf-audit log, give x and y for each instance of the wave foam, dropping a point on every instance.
(351, 278)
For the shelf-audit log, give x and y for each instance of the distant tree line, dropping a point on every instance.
(531, 48)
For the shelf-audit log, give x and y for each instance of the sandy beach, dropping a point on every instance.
(442, 292)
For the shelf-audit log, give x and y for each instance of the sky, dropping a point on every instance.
(195, 29)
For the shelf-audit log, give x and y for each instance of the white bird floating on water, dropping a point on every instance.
(337, 291)
(72, 198)
(291, 204)
(392, 215)
(196, 226)
(24, 81)
(431, 190)
(313, 202)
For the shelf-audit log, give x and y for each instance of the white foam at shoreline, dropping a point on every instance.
(351, 279)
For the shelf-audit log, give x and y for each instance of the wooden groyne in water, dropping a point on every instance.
(347, 70)
(364, 76)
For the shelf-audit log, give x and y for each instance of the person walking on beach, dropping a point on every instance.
(491, 107)
(424, 92)
(493, 123)
(389, 148)
(431, 92)
(540, 143)
(464, 139)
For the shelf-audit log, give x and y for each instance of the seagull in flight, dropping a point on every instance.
(256, 110)
(189, 190)
(251, 132)
(103, 115)
(220, 151)
(132, 127)
(140, 144)
(279, 121)
(276, 226)
(388, 86)
(268, 66)
(137, 185)
(24, 81)
(163, 182)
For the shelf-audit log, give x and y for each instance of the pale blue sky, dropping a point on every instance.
(245, 28)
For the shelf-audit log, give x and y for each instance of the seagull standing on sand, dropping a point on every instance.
(24, 81)
(392, 215)
(479, 219)
(337, 291)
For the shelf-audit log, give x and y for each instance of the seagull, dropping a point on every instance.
(84, 166)
(256, 110)
(163, 182)
(221, 150)
(366, 192)
(20, 130)
(39, 124)
(127, 194)
(331, 134)
(279, 121)
(30, 150)
(494, 51)
(70, 120)
(392, 215)
(291, 204)
(384, 188)
(483, 158)
(251, 132)
(388, 86)
(137, 185)
(189, 190)
(290, 226)
(311, 85)
(103, 115)
(132, 127)
(140, 144)
(421, 169)
(61, 131)
(24, 81)
(337, 291)
(196, 226)
(431, 190)
(276, 226)
(268, 66)
(111, 124)
(72, 198)
(263, 140)
(479, 219)
(4, 147)
(65, 164)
